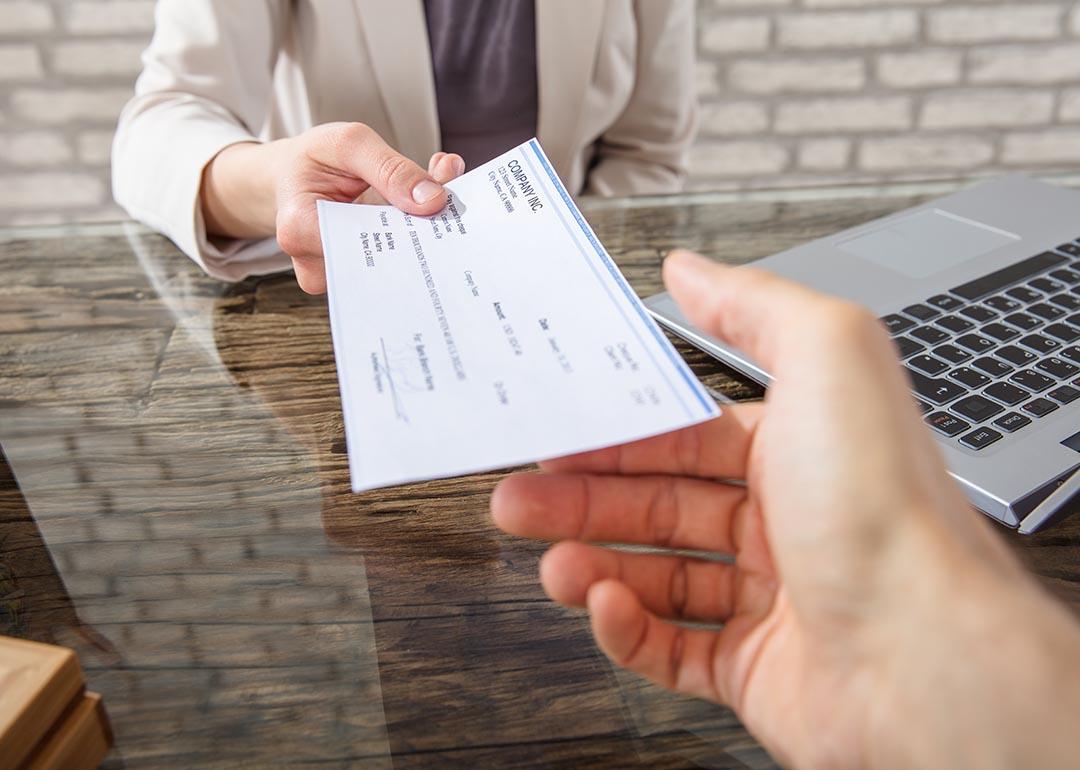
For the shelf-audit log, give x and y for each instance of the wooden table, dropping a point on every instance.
(175, 506)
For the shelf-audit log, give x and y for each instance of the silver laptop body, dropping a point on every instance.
(965, 250)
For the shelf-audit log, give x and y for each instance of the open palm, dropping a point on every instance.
(661, 493)
(811, 532)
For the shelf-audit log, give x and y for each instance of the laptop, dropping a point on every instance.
(981, 294)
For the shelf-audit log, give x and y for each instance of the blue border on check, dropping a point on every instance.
(708, 404)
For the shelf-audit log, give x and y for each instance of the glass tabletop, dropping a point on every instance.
(175, 506)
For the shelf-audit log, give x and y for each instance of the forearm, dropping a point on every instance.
(615, 175)
(238, 194)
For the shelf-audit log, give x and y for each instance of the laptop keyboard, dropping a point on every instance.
(997, 354)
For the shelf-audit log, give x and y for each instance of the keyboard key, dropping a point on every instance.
(936, 391)
(969, 377)
(952, 354)
(1012, 422)
(922, 312)
(1010, 395)
(1072, 353)
(1023, 321)
(945, 423)
(1067, 301)
(955, 324)
(1040, 407)
(1074, 319)
(999, 279)
(1065, 275)
(1024, 294)
(1063, 332)
(992, 366)
(929, 334)
(897, 323)
(975, 343)
(1003, 304)
(928, 364)
(1066, 394)
(945, 302)
(980, 438)
(1070, 248)
(1040, 344)
(1015, 355)
(907, 347)
(999, 332)
(1055, 367)
(923, 407)
(978, 313)
(1046, 286)
(1033, 381)
(976, 408)
(1049, 312)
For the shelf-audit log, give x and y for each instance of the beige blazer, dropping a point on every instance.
(617, 110)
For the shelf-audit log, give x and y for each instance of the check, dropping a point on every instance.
(495, 333)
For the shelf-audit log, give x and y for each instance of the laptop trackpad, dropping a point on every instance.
(927, 242)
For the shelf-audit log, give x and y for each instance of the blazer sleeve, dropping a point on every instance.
(646, 150)
(206, 83)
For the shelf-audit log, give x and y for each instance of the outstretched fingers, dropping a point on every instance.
(665, 511)
(693, 661)
(674, 587)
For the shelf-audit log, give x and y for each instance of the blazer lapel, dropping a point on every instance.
(567, 32)
(396, 37)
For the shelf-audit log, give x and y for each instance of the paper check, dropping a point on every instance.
(496, 333)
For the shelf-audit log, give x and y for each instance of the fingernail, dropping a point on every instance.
(426, 190)
(459, 166)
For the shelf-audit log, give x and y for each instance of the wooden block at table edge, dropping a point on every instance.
(79, 743)
(38, 684)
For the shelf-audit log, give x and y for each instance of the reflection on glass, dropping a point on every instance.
(184, 526)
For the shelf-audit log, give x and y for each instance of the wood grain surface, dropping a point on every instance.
(175, 506)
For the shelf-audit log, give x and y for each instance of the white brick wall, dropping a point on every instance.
(66, 69)
(794, 92)
(887, 90)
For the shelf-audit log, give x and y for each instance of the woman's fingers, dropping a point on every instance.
(358, 150)
(445, 167)
(668, 511)
(350, 161)
(715, 449)
(669, 586)
(434, 162)
(298, 236)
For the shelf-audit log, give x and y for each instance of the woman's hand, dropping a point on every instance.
(870, 617)
(252, 190)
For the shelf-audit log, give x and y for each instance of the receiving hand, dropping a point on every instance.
(865, 602)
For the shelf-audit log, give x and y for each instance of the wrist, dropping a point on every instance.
(238, 191)
(986, 675)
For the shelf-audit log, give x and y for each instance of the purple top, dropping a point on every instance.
(483, 53)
